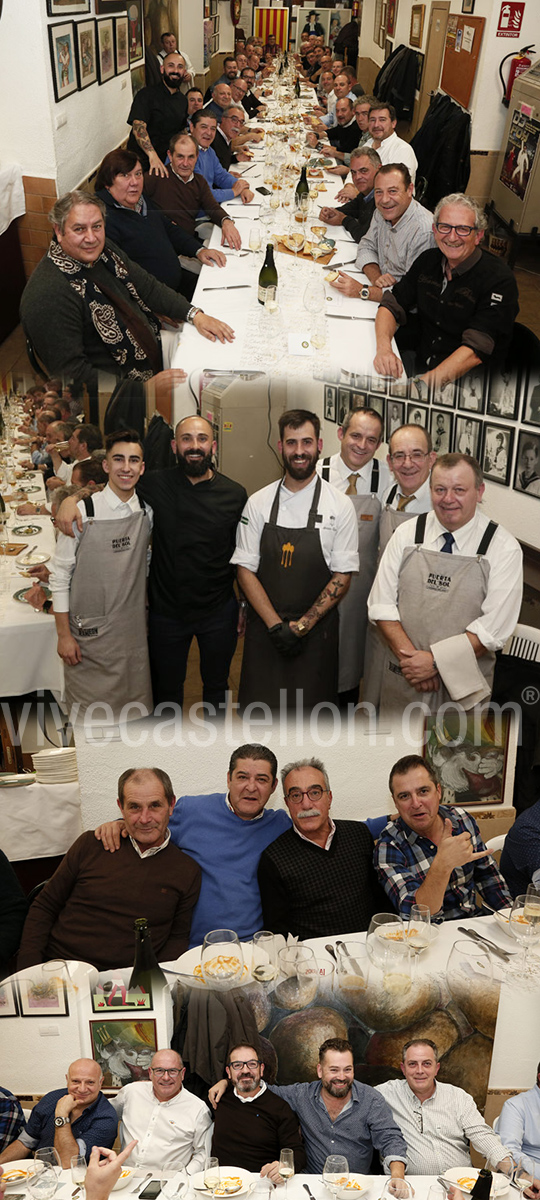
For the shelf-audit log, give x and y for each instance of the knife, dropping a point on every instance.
(477, 937)
(341, 316)
(308, 1190)
(231, 287)
(348, 263)
(354, 962)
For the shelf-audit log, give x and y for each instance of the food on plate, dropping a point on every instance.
(220, 967)
(231, 1183)
(467, 1181)
(14, 1176)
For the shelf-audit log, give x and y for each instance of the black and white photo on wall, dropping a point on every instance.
(377, 384)
(497, 452)
(376, 402)
(441, 423)
(400, 388)
(527, 472)
(467, 436)
(344, 403)
(417, 414)
(503, 393)
(531, 398)
(443, 395)
(395, 416)
(470, 391)
(67, 8)
(330, 403)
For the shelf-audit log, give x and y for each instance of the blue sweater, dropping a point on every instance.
(227, 850)
(220, 181)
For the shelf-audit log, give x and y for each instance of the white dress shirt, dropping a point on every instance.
(338, 528)
(500, 609)
(171, 1133)
(422, 498)
(339, 476)
(107, 507)
(519, 1125)
(394, 150)
(438, 1131)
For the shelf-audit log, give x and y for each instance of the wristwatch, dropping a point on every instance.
(59, 1121)
(301, 628)
(364, 293)
(192, 313)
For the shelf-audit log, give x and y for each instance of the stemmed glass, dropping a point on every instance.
(335, 1173)
(255, 238)
(419, 928)
(286, 1166)
(469, 974)
(50, 1157)
(296, 234)
(211, 1174)
(222, 961)
(78, 1169)
(41, 1180)
(522, 1177)
(524, 922)
(383, 928)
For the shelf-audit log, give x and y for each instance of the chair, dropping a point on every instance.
(496, 843)
(36, 890)
(35, 364)
(524, 643)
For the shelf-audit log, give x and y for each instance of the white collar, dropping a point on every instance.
(224, 135)
(151, 849)
(256, 818)
(328, 841)
(250, 1099)
(192, 176)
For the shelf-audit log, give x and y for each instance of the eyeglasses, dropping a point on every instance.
(461, 230)
(172, 1071)
(252, 1063)
(416, 456)
(296, 795)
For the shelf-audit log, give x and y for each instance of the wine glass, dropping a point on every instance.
(50, 1157)
(255, 237)
(318, 331)
(469, 974)
(419, 928)
(335, 1173)
(264, 956)
(382, 928)
(352, 968)
(524, 923)
(78, 1169)
(286, 1166)
(397, 969)
(296, 234)
(314, 296)
(211, 1174)
(41, 1180)
(522, 1177)
(222, 962)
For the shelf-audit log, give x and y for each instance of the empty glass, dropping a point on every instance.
(41, 1180)
(264, 964)
(419, 928)
(383, 927)
(335, 1173)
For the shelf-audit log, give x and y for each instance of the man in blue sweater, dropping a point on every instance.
(224, 185)
(224, 832)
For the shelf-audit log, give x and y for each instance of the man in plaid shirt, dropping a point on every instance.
(11, 1118)
(433, 854)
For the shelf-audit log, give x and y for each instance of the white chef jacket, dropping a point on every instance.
(338, 528)
(171, 1133)
(339, 476)
(394, 150)
(500, 609)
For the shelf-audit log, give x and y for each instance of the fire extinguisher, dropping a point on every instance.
(520, 63)
(355, 9)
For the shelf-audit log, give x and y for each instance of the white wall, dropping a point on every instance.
(24, 89)
(488, 114)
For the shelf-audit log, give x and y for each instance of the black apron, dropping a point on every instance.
(293, 572)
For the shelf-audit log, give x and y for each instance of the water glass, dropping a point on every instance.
(222, 961)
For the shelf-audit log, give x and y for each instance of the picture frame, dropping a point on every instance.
(388, 49)
(471, 769)
(105, 50)
(63, 59)
(467, 6)
(138, 79)
(470, 391)
(43, 993)
(468, 436)
(531, 398)
(527, 468)
(374, 401)
(497, 453)
(121, 44)
(111, 994)
(135, 17)
(441, 427)
(395, 416)
(391, 14)
(344, 404)
(503, 393)
(115, 1043)
(86, 48)
(67, 8)
(8, 1000)
(417, 414)
(330, 408)
(400, 388)
(444, 396)
(416, 33)
(105, 8)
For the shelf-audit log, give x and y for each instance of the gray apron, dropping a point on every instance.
(353, 618)
(107, 613)
(375, 644)
(293, 572)
(438, 596)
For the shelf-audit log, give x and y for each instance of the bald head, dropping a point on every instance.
(166, 1072)
(194, 446)
(84, 1079)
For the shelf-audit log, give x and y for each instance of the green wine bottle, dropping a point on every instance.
(146, 973)
(302, 187)
(268, 278)
(297, 88)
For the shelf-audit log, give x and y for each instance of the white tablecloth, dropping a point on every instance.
(40, 820)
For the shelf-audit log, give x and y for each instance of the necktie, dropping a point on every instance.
(448, 543)
(404, 501)
(351, 490)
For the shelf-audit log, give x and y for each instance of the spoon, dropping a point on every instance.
(138, 1188)
(330, 950)
(27, 557)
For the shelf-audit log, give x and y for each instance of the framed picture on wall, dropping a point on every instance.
(391, 13)
(443, 394)
(138, 80)
(468, 436)
(118, 1042)
(503, 393)
(67, 8)
(497, 454)
(467, 6)
(63, 59)
(105, 50)
(135, 17)
(470, 391)
(470, 756)
(441, 425)
(85, 45)
(527, 473)
(417, 24)
(330, 411)
(531, 400)
(104, 8)
(43, 993)
(8, 1000)
(395, 416)
(121, 42)
(417, 414)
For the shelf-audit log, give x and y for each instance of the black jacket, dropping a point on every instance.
(442, 147)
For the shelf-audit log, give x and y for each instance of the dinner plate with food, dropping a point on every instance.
(15, 1173)
(465, 1179)
(233, 1181)
(353, 1185)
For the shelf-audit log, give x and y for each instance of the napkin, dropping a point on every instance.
(459, 670)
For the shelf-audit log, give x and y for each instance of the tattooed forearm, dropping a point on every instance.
(334, 591)
(141, 133)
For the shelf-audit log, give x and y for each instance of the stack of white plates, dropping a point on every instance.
(55, 766)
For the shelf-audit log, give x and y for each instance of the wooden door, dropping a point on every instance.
(435, 45)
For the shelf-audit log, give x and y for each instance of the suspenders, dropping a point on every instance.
(485, 542)
(374, 483)
(89, 505)
(392, 495)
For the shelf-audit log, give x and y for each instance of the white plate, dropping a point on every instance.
(18, 1164)
(500, 1182)
(187, 962)
(127, 1174)
(358, 1185)
(503, 922)
(224, 1173)
(32, 560)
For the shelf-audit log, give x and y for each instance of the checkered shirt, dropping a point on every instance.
(402, 859)
(11, 1118)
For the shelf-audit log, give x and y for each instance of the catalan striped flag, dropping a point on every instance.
(271, 20)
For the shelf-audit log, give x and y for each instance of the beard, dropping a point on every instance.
(338, 1089)
(301, 470)
(173, 81)
(196, 465)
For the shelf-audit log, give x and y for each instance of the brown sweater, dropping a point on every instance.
(182, 201)
(87, 910)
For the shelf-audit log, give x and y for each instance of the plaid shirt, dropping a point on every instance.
(402, 859)
(11, 1118)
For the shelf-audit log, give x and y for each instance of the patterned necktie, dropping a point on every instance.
(404, 501)
(351, 490)
(449, 540)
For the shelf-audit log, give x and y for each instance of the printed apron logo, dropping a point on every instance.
(438, 583)
(121, 543)
(287, 551)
